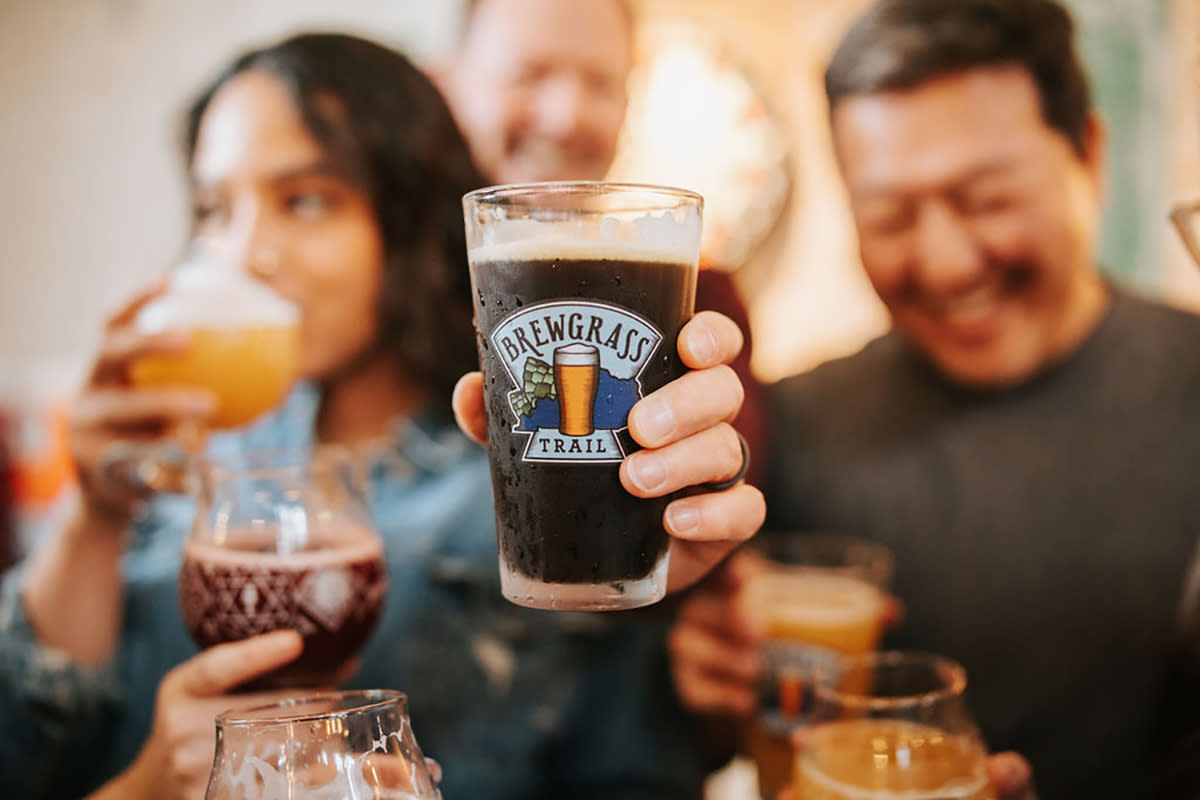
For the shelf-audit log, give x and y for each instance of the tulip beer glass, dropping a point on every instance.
(283, 541)
(891, 726)
(244, 338)
(328, 746)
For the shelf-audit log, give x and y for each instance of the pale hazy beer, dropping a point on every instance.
(880, 759)
(576, 376)
(250, 369)
(810, 616)
(243, 338)
(823, 609)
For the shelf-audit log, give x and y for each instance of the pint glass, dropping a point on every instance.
(817, 597)
(581, 290)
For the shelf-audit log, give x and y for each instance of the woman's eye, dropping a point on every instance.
(308, 205)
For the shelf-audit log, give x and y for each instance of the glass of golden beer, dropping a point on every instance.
(244, 347)
(817, 597)
(244, 339)
(892, 725)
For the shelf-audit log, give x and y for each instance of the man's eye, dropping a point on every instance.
(988, 204)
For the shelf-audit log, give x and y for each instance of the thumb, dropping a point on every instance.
(226, 666)
(468, 406)
(1011, 776)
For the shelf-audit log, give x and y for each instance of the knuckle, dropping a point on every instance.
(729, 446)
(677, 643)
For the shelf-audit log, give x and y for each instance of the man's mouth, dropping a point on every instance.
(970, 308)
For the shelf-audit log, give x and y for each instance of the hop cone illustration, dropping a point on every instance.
(538, 385)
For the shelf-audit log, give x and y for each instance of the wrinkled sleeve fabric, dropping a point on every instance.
(50, 706)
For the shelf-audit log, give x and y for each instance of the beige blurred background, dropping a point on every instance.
(94, 201)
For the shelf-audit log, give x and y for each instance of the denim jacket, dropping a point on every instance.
(513, 702)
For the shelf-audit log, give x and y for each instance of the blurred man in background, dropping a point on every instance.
(1026, 439)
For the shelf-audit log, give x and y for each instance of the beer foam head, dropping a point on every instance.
(577, 355)
(569, 249)
(815, 598)
(261, 549)
(656, 236)
(215, 296)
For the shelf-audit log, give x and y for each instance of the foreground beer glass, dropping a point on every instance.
(581, 290)
(283, 541)
(328, 746)
(891, 726)
(817, 597)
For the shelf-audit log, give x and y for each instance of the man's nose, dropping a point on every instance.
(949, 257)
(562, 107)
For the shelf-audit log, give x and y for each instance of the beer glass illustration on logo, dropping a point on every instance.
(576, 376)
(283, 540)
(581, 290)
(327, 746)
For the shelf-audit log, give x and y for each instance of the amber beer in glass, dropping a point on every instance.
(581, 291)
(817, 597)
(891, 726)
(244, 339)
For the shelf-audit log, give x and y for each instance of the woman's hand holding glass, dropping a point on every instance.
(111, 417)
(177, 758)
(210, 347)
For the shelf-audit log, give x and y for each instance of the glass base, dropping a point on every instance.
(609, 596)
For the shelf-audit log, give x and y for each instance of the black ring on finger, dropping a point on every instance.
(720, 486)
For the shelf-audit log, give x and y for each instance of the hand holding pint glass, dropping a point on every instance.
(583, 297)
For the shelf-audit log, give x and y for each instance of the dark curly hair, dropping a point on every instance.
(385, 124)
(900, 44)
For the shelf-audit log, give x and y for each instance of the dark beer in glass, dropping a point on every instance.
(581, 290)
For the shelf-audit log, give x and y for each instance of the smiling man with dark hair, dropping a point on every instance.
(1026, 439)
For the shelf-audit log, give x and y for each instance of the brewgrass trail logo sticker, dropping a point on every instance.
(577, 367)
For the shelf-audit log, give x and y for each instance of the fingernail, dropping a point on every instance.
(201, 404)
(172, 339)
(655, 421)
(647, 472)
(702, 343)
(682, 518)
